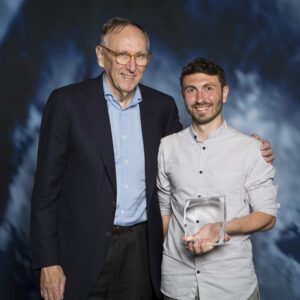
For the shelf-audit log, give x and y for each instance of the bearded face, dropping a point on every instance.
(203, 97)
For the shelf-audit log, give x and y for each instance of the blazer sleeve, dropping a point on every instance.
(52, 157)
(173, 124)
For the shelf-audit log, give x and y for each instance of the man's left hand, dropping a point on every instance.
(266, 149)
(201, 241)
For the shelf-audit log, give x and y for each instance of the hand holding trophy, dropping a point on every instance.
(205, 223)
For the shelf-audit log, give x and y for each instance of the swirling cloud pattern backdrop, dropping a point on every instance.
(48, 44)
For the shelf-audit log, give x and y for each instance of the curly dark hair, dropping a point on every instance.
(202, 65)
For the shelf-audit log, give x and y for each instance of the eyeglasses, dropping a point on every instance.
(123, 58)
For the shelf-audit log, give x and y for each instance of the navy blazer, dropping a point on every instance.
(74, 196)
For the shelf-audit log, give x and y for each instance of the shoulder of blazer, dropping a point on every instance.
(78, 89)
(155, 95)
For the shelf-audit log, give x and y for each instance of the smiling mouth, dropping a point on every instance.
(202, 108)
(128, 76)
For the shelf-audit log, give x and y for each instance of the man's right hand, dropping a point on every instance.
(52, 283)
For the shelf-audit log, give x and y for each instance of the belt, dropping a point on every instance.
(116, 229)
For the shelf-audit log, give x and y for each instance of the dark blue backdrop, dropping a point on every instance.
(47, 44)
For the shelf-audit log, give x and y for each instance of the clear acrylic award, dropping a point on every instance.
(203, 210)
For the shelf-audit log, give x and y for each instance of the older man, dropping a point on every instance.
(95, 212)
(96, 229)
(204, 161)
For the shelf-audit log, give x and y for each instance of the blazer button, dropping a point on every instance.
(108, 234)
(114, 204)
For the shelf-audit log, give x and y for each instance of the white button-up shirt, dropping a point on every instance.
(227, 163)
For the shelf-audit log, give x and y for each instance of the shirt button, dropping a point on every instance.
(126, 161)
(126, 186)
(124, 137)
(122, 212)
(203, 148)
(197, 221)
(200, 172)
(198, 272)
(108, 234)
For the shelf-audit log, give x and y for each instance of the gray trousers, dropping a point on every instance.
(254, 296)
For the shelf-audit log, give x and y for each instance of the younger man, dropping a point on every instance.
(206, 159)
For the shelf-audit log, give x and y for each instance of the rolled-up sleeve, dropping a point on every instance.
(163, 185)
(259, 183)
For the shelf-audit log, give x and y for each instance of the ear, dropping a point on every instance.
(100, 58)
(225, 93)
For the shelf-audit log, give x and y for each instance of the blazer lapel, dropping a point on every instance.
(150, 139)
(99, 118)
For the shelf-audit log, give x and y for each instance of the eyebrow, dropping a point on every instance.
(209, 83)
(205, 85)
(136, 53)
(189, 86)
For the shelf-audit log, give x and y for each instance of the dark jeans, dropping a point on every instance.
(125, 274)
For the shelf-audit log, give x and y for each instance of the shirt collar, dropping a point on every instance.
(213, 134)
(136, 99)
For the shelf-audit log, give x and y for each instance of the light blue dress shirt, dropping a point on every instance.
(129, 158)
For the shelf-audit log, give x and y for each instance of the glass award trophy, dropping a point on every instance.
(203, 210)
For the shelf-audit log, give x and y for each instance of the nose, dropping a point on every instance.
(200, 96)
(131, 66)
